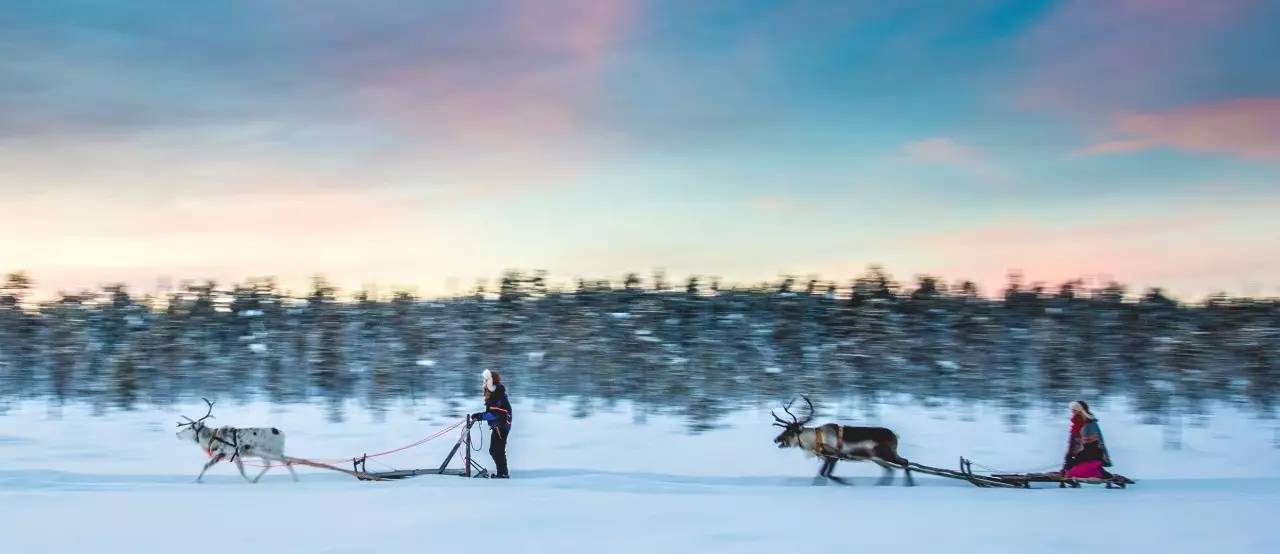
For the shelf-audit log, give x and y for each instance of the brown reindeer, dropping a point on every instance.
(834, 442)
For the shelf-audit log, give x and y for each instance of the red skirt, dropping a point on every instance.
(1086, 470)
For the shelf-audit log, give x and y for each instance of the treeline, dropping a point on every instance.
(697, 348)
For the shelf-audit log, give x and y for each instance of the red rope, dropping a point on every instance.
(420, 442)
(434, 436)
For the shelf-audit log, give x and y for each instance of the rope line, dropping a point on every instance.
(989, 469)
(415, 444)
(432, 437)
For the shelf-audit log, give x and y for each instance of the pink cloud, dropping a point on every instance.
(942, 150)
(521, 81)
(1248, 128)
(1118, 147)
(1191, 248)
(947, 151)
(289, 231)
(485, 95)
(585, 29)
(1091, 55)
(284, 211)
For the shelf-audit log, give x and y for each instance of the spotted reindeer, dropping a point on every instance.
(834, 442)
(236, 444)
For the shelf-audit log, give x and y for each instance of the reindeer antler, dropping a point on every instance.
(777, 420)
(810, 414)
(784, 423)
(787, 409)
(208, 414)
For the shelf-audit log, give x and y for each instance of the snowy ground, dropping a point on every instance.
(121, 483)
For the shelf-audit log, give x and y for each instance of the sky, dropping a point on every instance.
(425, 145)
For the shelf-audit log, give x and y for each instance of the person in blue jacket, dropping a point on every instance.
(497, 411)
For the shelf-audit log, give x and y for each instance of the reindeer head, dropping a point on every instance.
(192, 429)
(790, 435)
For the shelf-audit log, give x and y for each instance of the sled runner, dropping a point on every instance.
(1024, 480)
(357, 474)
(470, 468)
(978, 480)
(1015, 480)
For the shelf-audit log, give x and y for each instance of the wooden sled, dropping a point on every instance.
(470, 468)
(1025, 479)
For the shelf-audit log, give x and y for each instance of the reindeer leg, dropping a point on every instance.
(888, 473)
(888, 458)
(823, 471)
(265, 467)
(240, 466)
(289, 466)
(905, 465)
(213, 460)
(828, 466)
(831, 469)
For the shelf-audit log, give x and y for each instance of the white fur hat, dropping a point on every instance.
(488, 380)
(1078, 406)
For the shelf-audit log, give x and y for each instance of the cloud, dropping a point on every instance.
(1248, 128)
(775, 205)
(1189, 246)
(1091, 56)
(942, 150)
(81, 240)
(514, 75)
(473, 96)
(949, 152)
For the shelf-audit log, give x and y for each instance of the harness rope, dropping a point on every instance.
(1010, 471)
(320, 462)
(234, 443)
(820, 442)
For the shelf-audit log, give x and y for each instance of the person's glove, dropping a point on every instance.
(477, 416)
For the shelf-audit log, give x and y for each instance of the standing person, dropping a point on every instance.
(497, 411)
(1086, 453)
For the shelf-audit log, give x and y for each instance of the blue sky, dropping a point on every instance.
(428, 144)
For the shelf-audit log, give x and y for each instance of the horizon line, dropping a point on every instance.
(1084, 285)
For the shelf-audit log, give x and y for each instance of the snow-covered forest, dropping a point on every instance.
(695, 348)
